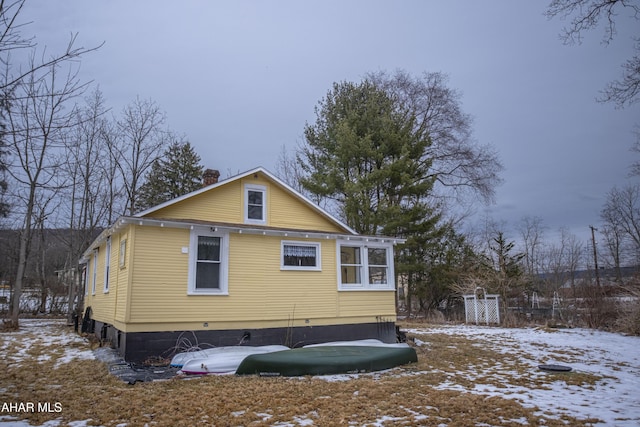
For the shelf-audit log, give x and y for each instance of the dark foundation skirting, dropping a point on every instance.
(138, 347)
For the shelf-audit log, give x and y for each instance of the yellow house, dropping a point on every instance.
(247, 260)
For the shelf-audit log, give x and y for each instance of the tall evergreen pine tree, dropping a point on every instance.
(177, 172)
(364, 153)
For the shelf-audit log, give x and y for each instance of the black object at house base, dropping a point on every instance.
(130, 372)
(139, 347)
(555, 368)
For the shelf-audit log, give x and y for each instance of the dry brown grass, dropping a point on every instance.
(407, 396)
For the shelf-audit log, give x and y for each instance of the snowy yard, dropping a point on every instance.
(614, 399)
(466, 375)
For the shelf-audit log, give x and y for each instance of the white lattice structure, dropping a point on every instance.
(482, 309)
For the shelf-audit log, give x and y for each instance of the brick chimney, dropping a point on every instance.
(210, 176)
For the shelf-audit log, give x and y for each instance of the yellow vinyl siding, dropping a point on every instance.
(150, 291)
(226, 204)
(363, 303)
(122, 276)
(285, 211)
(221, 204)
(103, 303)
(258, 289)
(159, 279)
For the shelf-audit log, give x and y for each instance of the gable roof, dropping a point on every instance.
(271, 177)
(142, 219)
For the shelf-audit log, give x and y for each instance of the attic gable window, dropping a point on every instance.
(255, 204)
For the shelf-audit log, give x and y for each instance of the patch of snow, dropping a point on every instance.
(48, 333)
(7, 421)
(265, 416)
(614, 399)
(382, 421)
(83, 423)
(74, 354)
(420, 343)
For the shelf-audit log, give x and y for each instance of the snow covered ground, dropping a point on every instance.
(615, 398)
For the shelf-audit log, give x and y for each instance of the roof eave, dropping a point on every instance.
(248, 229)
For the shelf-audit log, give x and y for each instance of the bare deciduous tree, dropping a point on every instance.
(13, 40)
(457, 161)
(622, 209)
(138, 142)
(561, 261)
(87, 198)
(37, 116)
(289, 170)
(613, 243)
(532, 233)
(114, 192)
(621, 217)
(32, 99)
(586, 15)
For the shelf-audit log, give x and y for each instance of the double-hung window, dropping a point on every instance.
(255, 204)
(123, 253)
(351, 265)
(378, 266)
(300, 256)
(208, 262)
(85, 278)
(365, 266)
(94, 265)
(107, 264)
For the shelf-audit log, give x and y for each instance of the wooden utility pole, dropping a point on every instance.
(595, 254)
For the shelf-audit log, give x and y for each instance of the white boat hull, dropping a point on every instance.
(219, 360)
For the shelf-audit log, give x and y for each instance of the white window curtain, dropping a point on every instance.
(299, 251)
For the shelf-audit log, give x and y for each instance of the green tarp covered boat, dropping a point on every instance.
(327, 360)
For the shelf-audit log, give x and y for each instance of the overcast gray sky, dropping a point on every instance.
(241, 78)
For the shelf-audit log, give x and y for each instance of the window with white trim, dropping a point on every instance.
(378, 266)
(107, 264)
(95, 271)
(85, 273)
(208, 262)
(300, 256)
(350, 265)
(255, 204)
(123, 253)
(365, 266)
